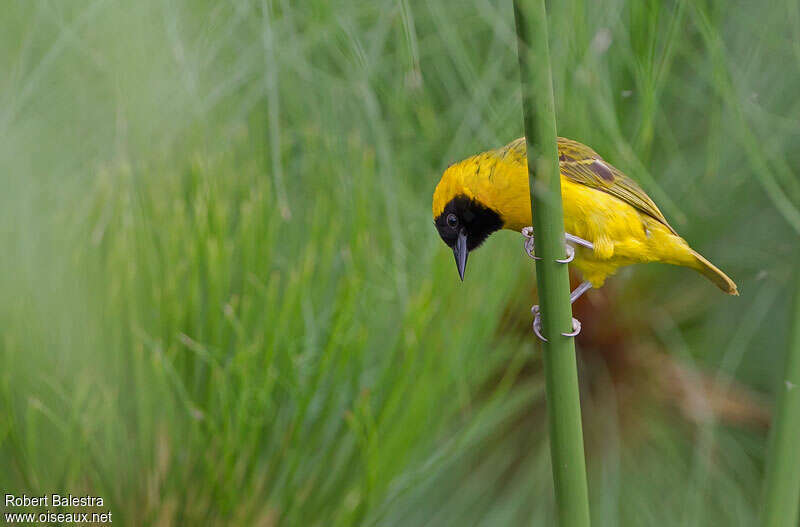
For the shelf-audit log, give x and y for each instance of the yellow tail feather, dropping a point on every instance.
(714, 274)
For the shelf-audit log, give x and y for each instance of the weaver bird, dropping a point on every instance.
(607, 215)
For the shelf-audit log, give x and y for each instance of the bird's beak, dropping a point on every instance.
(460, 252)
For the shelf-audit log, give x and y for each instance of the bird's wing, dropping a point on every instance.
(582, 165)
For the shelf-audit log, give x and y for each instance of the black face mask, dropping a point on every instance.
(464, 225)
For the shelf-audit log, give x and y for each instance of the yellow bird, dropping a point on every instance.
(610, 218)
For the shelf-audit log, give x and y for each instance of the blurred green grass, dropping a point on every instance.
(224, 302)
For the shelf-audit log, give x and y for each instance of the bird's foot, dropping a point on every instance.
(572, 239)
(537, 325)
(530, 246)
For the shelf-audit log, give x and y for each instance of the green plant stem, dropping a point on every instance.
(782, 491)
(563, 399)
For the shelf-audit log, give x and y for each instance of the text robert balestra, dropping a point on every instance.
(52, 500)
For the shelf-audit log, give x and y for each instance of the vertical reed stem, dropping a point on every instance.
(563, 400)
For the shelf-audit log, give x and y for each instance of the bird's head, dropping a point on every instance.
(463, 220)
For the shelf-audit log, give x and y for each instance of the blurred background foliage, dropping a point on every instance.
(223, 301)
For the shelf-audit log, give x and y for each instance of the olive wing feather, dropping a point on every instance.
(582, 165)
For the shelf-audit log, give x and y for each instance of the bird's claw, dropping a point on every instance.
(527, 232)
(537, 325)
(576, 328)
(570, 254)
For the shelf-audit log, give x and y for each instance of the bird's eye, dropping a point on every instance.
(452, 221)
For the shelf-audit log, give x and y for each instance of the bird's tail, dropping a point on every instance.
(711, 272)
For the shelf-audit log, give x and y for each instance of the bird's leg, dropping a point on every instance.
(576, 324)
(578, 291)
(527, 232)
(578, 241)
